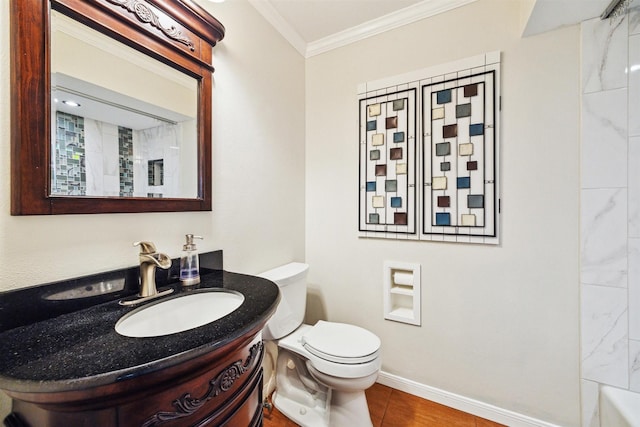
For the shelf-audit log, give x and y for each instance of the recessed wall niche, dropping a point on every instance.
(429, 147)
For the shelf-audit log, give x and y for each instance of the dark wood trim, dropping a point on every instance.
(202, 23)
(30, 94)
(29, 44)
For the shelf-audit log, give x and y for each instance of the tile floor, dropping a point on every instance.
(393, 408)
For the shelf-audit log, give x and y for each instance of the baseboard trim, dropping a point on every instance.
(462, 403)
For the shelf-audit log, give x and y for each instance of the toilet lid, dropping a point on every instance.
(341, 343)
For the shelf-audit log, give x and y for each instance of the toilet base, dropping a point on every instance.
(304, 395)
(301, 414)
(346, 409)
(298, 396)
(349, 409)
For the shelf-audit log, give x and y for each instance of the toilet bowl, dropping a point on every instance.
(321, 370)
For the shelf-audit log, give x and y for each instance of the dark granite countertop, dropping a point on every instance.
(81, 349)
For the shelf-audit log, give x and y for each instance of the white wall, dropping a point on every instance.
(499, 324)
(258, 173)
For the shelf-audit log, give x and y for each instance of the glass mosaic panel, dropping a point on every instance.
(68, 171)
(388, 162)
(458, 119)
(125, 149)
(438, 125)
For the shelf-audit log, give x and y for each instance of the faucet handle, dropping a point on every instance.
(146, 248)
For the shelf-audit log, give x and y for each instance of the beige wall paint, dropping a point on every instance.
(499, 324)
(258, 170)
(526, 8)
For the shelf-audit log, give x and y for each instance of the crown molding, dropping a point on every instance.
(268, 12)
(387, 22)
(424, 9)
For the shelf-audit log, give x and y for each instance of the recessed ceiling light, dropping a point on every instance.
(71, 103)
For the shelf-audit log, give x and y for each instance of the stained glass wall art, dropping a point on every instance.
(459, 156)
(429, 149)
(388, 158)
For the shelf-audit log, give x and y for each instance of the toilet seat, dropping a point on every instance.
(341, 343)
(294, 343)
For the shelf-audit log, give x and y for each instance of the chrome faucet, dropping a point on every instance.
(150, 258)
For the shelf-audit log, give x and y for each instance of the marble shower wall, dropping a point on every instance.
(610, 208)
(159, 143)
(102, 158)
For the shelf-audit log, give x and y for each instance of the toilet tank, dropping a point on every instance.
(292, 281)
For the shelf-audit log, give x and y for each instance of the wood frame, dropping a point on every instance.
(185, 44)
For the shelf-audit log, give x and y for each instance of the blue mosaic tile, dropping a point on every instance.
(443, 218)
(476, 129)
(372, 125)
(371, 186)
(396, 202)
(398, 137)
(443, 96)
(464, 182)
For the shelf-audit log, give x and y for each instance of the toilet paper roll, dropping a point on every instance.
(403, 278)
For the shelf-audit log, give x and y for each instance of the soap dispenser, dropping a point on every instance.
(189, 263)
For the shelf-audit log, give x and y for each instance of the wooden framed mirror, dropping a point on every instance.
(111, 106)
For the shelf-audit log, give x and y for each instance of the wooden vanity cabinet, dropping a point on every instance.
(220, 388)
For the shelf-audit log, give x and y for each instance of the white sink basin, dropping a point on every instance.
(178, 314)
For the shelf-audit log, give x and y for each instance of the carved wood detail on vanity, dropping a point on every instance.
(187, 405)
(231, 395)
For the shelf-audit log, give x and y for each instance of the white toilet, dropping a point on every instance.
(320, 371)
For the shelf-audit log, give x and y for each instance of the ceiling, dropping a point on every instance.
(316, 26)
(316, 19)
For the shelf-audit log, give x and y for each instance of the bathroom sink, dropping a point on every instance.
(178, 314)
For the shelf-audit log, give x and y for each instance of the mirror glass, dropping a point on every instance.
(122, 123)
